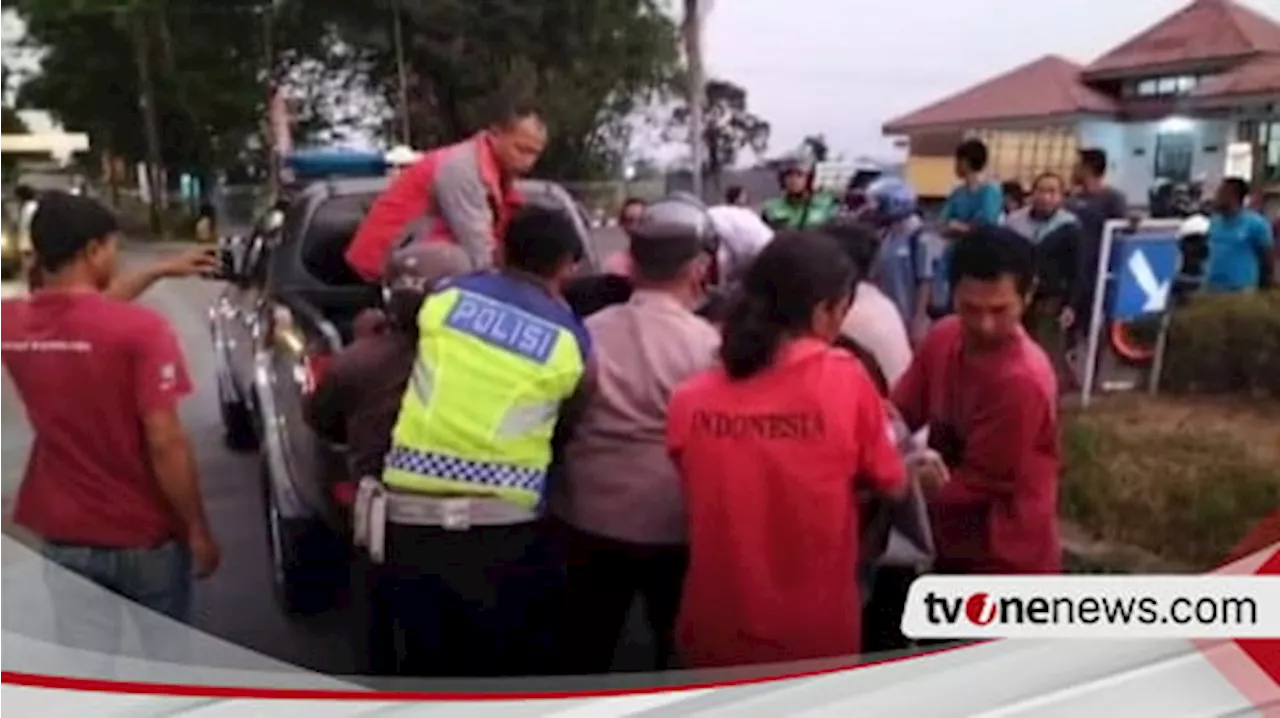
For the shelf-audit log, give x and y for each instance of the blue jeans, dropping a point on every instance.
(91, 619)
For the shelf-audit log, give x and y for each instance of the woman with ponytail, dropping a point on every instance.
(768, 445)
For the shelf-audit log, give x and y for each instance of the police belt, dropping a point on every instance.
(376, 506)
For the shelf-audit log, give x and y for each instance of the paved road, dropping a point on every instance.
(235, 604)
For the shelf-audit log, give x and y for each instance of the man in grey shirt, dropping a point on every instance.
(1094, 204)
(621, 497)
(463, 193)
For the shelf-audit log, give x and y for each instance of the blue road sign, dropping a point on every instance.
(1144, 268)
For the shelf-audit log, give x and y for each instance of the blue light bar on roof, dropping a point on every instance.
(320, 164)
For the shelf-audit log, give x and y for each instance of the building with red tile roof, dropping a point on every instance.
(1194, 98)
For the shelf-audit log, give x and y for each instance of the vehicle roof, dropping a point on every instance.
(372, 185)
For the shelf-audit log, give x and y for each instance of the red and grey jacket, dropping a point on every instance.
(454, 194)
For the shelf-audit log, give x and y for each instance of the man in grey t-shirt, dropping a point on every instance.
(1094, 205)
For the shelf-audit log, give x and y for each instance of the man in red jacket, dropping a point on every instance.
(462, 193)
(988, 394)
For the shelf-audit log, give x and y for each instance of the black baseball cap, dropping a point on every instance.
(65, 224)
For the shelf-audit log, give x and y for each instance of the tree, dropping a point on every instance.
(590, 64)
(206, 61)
(816, 146)
(212, 63)
(730, 126)
(12, 125)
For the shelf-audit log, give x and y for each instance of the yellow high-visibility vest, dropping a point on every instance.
(497, 357)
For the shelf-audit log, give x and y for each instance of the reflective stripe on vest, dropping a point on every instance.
(483, 399)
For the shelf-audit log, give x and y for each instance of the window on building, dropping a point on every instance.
(1265, 138)
(1167, 86)
(1267, 152)
(1022, 154)
(1175, 154)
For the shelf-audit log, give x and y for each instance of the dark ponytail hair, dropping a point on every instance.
(792, 275)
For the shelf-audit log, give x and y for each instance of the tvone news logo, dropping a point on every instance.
(984, 609)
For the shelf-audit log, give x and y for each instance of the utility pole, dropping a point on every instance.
(269, 65)
(406, 133)
(147, 104)
(693, 12)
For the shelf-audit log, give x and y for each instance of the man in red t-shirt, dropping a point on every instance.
(988, 394)
(111, 484)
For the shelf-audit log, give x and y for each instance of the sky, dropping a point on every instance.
(844, 67)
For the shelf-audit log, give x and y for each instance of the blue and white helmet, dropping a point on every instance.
(890, 200)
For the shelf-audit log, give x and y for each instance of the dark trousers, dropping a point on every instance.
(604, 576)
(883, 608)
(373, 624)
(479, 602)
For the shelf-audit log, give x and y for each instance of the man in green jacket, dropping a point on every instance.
(799, 206)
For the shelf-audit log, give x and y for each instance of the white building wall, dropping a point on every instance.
(1131, 151)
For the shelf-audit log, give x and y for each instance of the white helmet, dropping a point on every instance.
(1195, 225)
(742, 235)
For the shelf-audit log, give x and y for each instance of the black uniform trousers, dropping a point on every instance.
(477, 602)
(604, 577)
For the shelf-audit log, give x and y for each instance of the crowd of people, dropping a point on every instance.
(736, 424)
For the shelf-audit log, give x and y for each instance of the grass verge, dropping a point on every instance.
(1183, 478)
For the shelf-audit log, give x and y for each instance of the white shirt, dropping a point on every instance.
(26, 214)
(742, 234)
(875, 323)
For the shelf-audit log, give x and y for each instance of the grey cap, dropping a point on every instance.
(673, 229)
(424, 263)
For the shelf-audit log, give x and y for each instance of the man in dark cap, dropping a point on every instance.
(621, 495)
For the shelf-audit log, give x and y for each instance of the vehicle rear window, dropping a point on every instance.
(331, 229)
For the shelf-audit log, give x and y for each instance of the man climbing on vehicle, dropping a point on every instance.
(462, 193)
(800, 206)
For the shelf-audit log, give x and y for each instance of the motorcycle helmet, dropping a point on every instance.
(797, 163)
(1193, 242)
(412, 271)
(674, 229)
(742, 235)
(890, 200)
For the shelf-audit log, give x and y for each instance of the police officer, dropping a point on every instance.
(800, 206)
(620, 495)
(457, 518)
(358, 398)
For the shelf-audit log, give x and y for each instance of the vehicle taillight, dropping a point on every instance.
(314, 364)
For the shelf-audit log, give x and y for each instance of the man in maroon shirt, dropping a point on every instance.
(111, 485)
(988, 395)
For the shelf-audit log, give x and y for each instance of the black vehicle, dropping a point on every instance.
(290, 304)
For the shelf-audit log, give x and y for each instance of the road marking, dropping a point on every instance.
(1157, 293)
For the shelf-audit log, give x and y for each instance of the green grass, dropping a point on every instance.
(1184, 479)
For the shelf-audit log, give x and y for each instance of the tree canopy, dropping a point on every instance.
(729, 126)
(592, 65)
(13, 125)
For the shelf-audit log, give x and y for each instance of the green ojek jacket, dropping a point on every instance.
(800, 212)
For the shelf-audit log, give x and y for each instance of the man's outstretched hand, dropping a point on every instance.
(189, 263)
(196, 262)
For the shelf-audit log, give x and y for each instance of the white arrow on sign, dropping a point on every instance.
(1157, 292)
